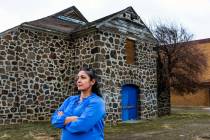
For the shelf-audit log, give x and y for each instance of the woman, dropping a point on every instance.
(81, 117)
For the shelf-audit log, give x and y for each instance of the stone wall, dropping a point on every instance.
(105, 52)
(164, 104)
(35, 72)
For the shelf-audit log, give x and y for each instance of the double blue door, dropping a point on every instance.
(129, 95)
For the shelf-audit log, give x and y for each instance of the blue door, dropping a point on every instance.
(129, 95)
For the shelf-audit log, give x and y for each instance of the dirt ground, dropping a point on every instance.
(183, 124)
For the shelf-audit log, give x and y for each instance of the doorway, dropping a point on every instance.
(129, 94)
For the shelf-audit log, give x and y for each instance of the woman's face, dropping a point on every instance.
(84, 82)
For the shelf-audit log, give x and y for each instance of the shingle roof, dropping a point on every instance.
(104, 19)
(71, 20)
(64, 21)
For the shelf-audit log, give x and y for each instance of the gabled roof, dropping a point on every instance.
(122, 13)
(64, 21)
(71, 21)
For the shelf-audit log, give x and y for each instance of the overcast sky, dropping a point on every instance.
(194, 15)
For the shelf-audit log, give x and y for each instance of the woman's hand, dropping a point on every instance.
(60, 113)
(70, 119)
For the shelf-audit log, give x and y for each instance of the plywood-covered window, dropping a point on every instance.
(130, 51)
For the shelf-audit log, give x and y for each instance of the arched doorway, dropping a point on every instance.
(129, 94)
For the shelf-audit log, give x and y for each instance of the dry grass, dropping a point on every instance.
(182, 124)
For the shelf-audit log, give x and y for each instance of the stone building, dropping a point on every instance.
(39, 60)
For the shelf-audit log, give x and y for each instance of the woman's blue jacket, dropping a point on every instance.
(90, 122)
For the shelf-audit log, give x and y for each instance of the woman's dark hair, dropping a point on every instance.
(92, 74)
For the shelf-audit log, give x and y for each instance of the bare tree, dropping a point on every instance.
(180, 62)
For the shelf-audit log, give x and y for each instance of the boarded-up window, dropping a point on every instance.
(130, 51)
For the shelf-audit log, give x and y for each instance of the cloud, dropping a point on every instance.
(193, 14)
(8, 20)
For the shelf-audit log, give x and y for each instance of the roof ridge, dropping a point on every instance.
(200, 41)
(68, 9)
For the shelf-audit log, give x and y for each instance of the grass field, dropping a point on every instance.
(147, 129)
